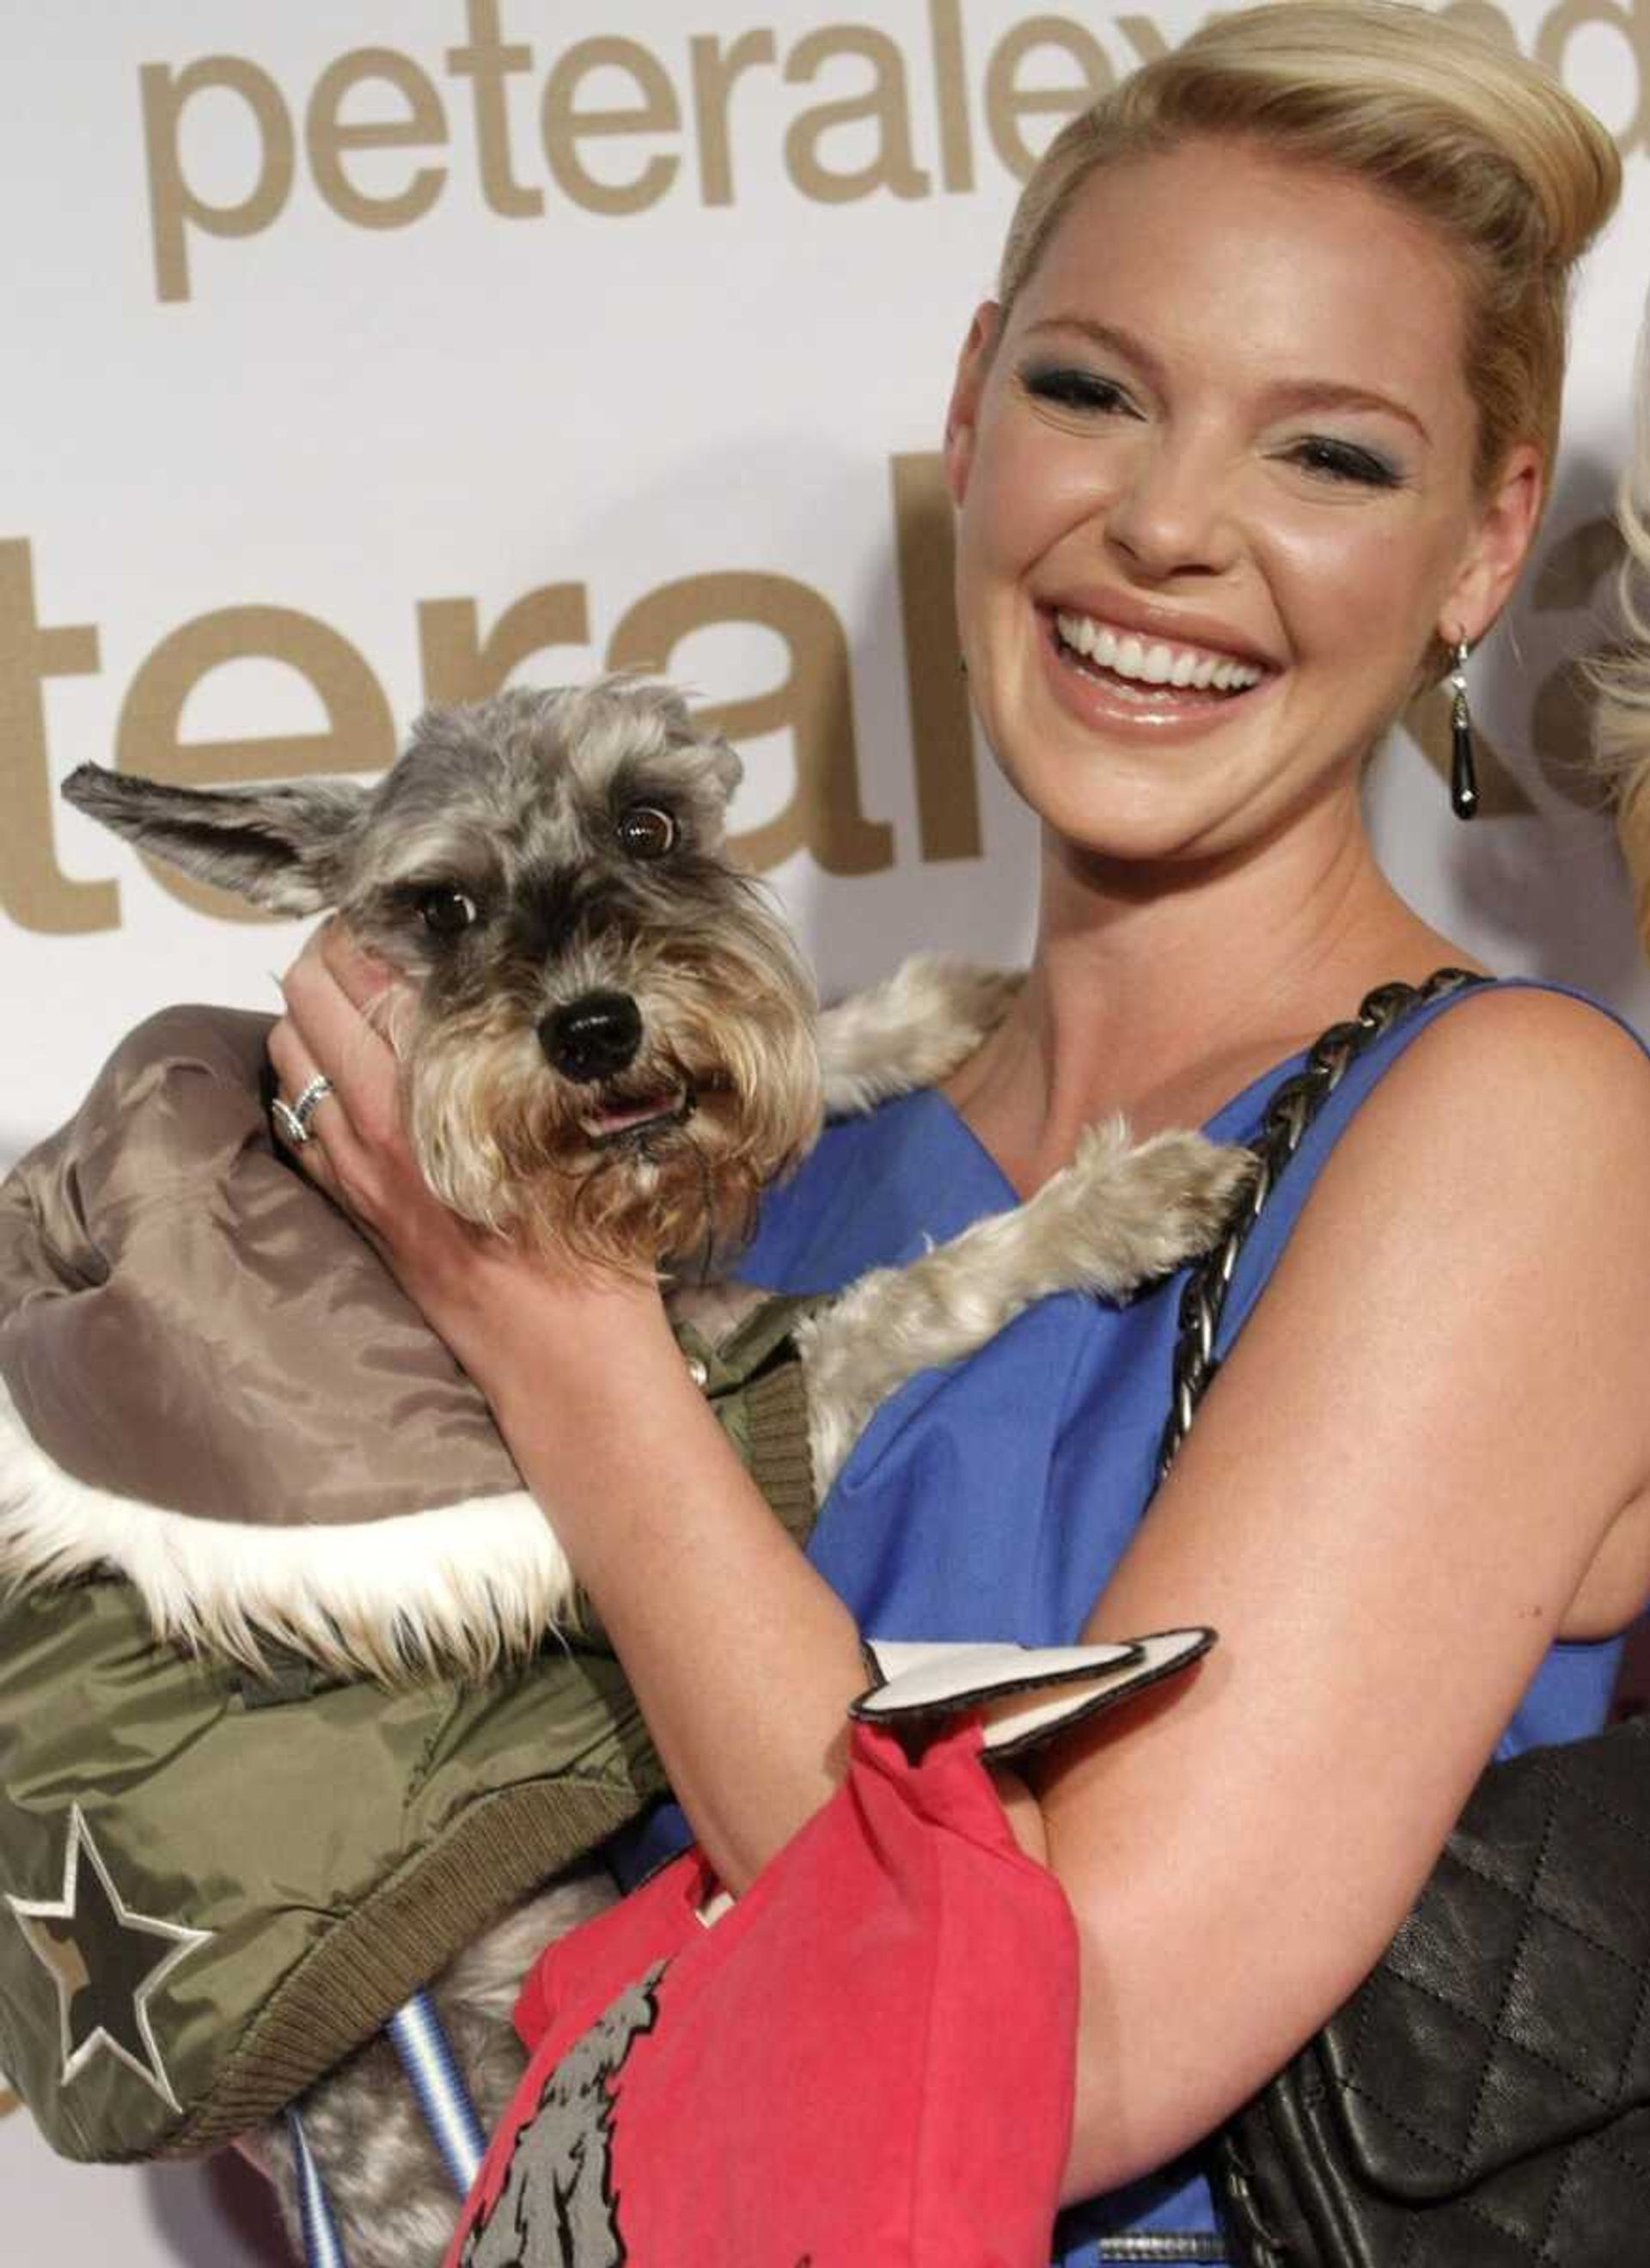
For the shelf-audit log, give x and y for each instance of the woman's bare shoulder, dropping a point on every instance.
(1513, 1092)
(1531, 1036)
(1392, 1495)
(1523, 1106)
(1502, 1162)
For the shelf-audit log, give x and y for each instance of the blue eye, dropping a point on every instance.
(1345, 460)
(1072, 387)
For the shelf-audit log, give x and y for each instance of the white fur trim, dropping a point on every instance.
(463, 1587)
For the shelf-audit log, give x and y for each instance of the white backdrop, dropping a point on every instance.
(359, 354)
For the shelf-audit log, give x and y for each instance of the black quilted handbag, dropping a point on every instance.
(1482, 2101)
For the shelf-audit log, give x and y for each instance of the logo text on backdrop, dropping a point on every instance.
(622, 126)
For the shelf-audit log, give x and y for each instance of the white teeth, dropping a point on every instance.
(1158, 663)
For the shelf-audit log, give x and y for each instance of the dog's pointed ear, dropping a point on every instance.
(285, 848)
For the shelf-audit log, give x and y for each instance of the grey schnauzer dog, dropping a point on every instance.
(608, 1047)
(606, 1033)
(610, 1044)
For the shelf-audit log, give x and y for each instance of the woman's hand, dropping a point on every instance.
(720, 1621)
(342, 1004)
(341, 1007)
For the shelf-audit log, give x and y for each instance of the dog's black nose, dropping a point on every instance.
(592, 1038)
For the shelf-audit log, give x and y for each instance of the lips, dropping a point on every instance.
(1118, 674)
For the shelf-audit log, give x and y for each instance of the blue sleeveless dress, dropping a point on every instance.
(993, 1499)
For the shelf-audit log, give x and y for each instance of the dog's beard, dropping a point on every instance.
(663, 1163)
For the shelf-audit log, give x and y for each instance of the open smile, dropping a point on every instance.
(1154, 661)
(1133, 676)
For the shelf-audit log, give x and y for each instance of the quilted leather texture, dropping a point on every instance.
(1483, 2100)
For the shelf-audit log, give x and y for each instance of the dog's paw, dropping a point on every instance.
(911, 1030)
(1184, 1188)
(1135, 1211)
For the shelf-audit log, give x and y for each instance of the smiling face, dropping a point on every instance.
(1215, 473)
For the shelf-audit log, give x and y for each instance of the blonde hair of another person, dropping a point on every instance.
(1622, 679)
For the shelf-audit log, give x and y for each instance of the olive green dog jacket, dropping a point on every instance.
(281, 1727)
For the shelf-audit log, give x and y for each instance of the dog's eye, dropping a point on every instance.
(446, 912)
(647, 832)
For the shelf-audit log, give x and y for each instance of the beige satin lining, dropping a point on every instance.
(187, 1321)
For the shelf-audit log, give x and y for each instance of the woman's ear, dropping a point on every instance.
(962, 414)
(1498, 548)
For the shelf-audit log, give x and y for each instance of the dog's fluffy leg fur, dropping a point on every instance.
(394, 2206)
(913, 1030)
(1110, 1221)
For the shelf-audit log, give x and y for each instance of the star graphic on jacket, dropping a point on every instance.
(106, 1962)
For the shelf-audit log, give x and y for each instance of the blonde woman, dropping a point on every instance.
(1255, 435)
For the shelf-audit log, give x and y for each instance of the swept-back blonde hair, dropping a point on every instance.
(1515, 176)
(1621, 724)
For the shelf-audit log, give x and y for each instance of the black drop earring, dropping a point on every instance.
(1463, 778)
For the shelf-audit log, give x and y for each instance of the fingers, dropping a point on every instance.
(295, 1072)
(333, 1032)
(304, 1091)
(363, 978)
(355, 1149)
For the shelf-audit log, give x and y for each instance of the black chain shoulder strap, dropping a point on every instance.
(1290, 1111)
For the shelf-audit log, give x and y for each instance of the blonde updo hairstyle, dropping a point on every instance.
(1514, 175)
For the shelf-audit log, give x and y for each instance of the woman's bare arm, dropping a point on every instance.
(743, 1659)
(1426, 1431)
(1386, 1506)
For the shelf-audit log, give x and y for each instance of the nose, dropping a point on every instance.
(1171, 514)
(592, 1038)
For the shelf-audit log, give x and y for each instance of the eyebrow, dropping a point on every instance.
(1286, 395)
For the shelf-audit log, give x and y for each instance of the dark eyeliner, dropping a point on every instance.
(1069, 386)
(1345, 460)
